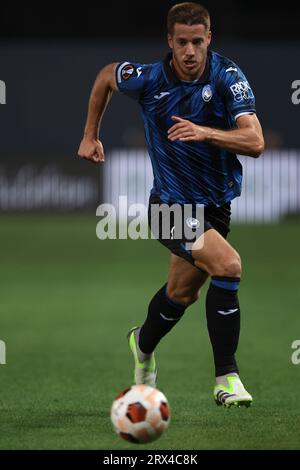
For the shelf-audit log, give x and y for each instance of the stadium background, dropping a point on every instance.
(68, 299)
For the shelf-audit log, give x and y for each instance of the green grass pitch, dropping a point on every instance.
(67, 301)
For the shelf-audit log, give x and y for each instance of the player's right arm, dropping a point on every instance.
(105, 84)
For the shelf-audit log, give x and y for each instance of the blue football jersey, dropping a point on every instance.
(187, 172)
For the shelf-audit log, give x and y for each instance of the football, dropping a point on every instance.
(140, 414)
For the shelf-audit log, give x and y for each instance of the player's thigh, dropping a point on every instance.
(184, 280)
(215, 255)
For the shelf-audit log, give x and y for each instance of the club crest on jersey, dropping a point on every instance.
(207, 93)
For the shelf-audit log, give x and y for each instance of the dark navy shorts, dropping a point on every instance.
(217, 218)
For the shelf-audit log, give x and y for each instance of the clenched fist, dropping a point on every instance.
(186, 131)
(91, 149)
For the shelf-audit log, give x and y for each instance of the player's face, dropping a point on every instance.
(189, 46)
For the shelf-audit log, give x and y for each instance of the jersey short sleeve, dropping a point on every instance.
(132, 79)
(237, 92)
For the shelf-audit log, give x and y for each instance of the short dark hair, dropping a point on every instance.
(189, 13)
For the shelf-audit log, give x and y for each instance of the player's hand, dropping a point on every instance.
(91, 149)
(185, 131)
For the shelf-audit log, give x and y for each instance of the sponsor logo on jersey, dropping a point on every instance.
(207, 93)
(231, 69)
(241, 91)
(161, 95)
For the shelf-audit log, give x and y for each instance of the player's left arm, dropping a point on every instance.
(247, 139)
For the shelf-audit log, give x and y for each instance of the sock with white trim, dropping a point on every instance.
(223, 322)
(163, 315)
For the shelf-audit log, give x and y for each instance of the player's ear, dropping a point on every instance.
(170, 41)
(209, 37)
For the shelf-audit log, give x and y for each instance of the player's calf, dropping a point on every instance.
(223, 322)
(163, 315)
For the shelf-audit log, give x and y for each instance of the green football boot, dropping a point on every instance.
(234, 394)
(145, 367)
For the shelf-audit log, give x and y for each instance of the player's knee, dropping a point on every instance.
(231, 267)
(182, 296)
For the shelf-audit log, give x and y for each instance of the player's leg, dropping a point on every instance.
(184, 281)
(222, 262)
(165, 310)
(170, 302)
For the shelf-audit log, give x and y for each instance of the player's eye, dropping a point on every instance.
(198, 41)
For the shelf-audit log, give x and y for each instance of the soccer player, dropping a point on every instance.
(199, 112)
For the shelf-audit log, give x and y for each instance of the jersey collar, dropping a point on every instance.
(171, 77)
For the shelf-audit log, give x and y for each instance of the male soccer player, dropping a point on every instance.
(199, 112)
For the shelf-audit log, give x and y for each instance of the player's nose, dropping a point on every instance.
(189, 51)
